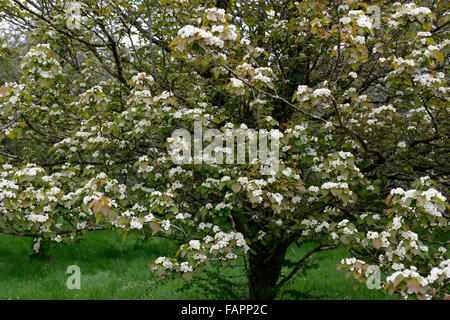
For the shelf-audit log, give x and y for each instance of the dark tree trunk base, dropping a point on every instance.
(264, 274)
(42, 256)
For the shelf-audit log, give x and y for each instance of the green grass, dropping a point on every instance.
(116, 269)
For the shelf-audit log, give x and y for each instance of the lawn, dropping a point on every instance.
(115, 269)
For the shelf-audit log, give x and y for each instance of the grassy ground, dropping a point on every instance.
(116, 269)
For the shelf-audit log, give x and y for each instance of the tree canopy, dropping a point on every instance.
(356, 93)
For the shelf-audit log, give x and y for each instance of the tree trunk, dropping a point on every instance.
(264, 273)
(43, 251)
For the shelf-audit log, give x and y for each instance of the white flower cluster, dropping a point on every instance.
(189, 31)
(314, 225)
(261, 75)
(381, 109)
(434, 275)
(429, 80)
(141, 79)
(322, 92)
(337, 185)
(410, 9)
(304, 93)
(426, 199)
(39, 61)
(236, 83)
(302, 89)
(37, 217)
(362, 20)
(215, 15)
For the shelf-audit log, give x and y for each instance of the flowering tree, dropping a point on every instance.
(357, 102)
